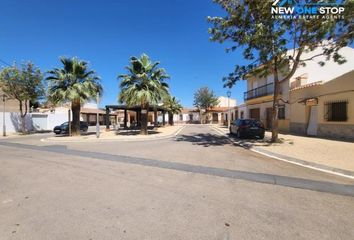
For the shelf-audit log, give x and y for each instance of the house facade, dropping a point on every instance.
(259, 102)
(220, 113)
(215, 115)
(187, 115)
(324, 109)
(232, 114)
(259, 95)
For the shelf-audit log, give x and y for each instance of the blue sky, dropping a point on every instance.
(107, 32)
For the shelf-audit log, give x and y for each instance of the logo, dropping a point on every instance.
(294, 9)
(284, 2)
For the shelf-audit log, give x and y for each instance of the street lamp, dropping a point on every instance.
(3, 116)
(97, 116)
(229, 110)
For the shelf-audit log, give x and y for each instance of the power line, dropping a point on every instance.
(5, 62)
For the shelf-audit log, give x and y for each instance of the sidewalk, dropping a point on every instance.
(121, 135)
(322, 154)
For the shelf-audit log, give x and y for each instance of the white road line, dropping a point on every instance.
(282, 159)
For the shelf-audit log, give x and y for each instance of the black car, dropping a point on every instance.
(247, 128)
(64, 128)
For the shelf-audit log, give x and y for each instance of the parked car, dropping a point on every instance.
(64, 128)
(249, 128)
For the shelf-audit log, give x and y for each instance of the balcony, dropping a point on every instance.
(261, 91)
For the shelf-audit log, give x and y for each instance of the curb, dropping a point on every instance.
(296, 161)
(116, 140)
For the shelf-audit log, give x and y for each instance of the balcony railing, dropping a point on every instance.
(261, 91)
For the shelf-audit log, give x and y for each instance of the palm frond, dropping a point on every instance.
(73, 81)
(144, 83)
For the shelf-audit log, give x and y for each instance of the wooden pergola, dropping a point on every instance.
(137, 110)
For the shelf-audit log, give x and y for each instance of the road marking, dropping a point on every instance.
(281, 159)
(293, 182)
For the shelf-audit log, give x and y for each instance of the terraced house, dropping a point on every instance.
(317, 101)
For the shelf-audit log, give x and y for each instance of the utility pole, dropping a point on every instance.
(229, 110)
(69, 116)
(97, 116)
(3, 116)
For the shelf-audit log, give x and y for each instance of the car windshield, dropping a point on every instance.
(255, 123)
(251, 122)
(65, 124)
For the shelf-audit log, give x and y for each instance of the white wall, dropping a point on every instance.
(223, 102)
(330, 70)
(185, 117)
(34, 121)
(245, 111)
(13, 122)
(47, 121)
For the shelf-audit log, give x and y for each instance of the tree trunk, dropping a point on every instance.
(23, 115)
(170, 119)
(276, 94)
(155, 117)
(144, 120)
(75, 126)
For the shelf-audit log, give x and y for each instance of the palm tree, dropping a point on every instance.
(173, 106)
(144, 85)
(73, 83)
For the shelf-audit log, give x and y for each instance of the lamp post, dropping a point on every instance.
(97, 116)
(229, 110)
(3, 116)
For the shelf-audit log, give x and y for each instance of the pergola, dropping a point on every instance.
(136, 109)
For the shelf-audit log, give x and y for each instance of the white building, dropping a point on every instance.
(224, 102)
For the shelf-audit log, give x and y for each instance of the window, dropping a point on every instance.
(336, 111)
(281, 112)
(181, 117)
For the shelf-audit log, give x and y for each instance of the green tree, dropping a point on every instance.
(73, 83)
(265, 41)
(23, 84)
(144, 85)
(173, 106)
(204, 100)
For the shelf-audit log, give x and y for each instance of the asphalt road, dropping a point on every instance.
(196, 185)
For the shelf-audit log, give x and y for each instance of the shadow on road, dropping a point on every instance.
(204, 139)
(133, 132)
(250, 142)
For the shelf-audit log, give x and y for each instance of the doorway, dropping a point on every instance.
(312, 126)
(269, 119)
(215, 118)
(255, 113)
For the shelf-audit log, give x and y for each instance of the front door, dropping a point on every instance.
(312, 127)
(255, 113)
(269, 118)
(191, 117)
(215, 118)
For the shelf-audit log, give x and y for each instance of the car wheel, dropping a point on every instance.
(261, 136)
